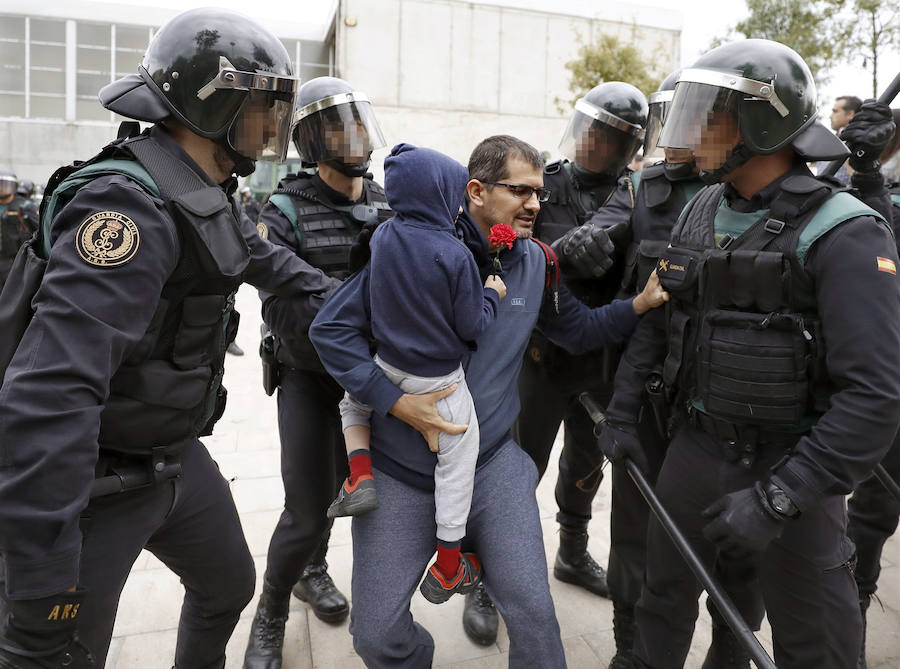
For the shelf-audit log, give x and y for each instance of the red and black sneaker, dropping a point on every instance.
(437, 589)
(355, 500)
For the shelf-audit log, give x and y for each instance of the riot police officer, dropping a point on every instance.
(318, 217)
(783, 403)
(18, 219)
(249, 204)
(604, 133)
(110, 381)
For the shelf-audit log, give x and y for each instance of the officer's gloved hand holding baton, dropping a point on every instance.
(618, 439)
(585, 252)
(40, 634)
(867, 134)
(746, 521)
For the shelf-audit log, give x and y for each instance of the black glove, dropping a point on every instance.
(743, 522)
(360, 251)
(584, 252)
(619, 440)
(868, 132)
(40, 634)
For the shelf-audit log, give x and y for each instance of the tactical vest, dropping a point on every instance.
(568, 206)
(168, 391)
(744, 336)
(16, 227)
(325, 232)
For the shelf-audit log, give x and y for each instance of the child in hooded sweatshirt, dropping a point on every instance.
(428, 304)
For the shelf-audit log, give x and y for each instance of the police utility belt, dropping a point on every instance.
(121, 473)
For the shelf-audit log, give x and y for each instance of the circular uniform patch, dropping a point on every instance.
(107, 239)
(262, 230)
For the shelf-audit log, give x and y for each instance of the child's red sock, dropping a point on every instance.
(448, 558)
(360, 465)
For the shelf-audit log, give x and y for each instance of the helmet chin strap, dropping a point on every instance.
(678, 171)
(740, 154)
(351, 170)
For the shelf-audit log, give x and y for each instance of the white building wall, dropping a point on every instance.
(448, 73)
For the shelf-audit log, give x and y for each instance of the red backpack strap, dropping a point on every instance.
(551, 274)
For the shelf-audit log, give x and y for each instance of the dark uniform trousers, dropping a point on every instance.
(874, 513)
(805, 576)
(192, 526)
(311, 441)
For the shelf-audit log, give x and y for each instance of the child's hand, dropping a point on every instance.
(652, 296)
(495, 282)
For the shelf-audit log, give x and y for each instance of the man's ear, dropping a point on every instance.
(474, 190)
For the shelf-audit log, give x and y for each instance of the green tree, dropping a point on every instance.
(607, 59)
(812, 28)
(874, 30)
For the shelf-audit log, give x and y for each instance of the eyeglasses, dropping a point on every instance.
(522, 191)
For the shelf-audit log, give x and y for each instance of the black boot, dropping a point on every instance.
(863, 609)
(316, 588)
(480, 618)
(623, 630)
(575, 565)
(725, 651)
(267, 630)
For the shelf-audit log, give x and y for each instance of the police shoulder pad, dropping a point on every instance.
(554, 167)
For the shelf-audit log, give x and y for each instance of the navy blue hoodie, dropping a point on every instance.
(426, 293)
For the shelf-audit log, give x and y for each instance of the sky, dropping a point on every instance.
(700, 26)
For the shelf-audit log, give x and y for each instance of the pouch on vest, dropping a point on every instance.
(679, 272)
(754, 368)
(201, 322)
(207, 216)
(747, 279)
(15, 300)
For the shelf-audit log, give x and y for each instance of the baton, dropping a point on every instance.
(737, 624)
(889, 483)
(887, 97)
(132, 478)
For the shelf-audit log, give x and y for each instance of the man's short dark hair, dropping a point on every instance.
(489, 160)
(850, 102)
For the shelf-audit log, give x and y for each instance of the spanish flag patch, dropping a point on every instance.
(886, 265)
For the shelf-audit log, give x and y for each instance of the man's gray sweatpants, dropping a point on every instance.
(391, 549)
(458, 453)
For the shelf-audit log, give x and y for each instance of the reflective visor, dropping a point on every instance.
(659, 107)
(262, 129)
(342, 127)
(230, 78)
(598, 141)
(8, 185)
(694, 110)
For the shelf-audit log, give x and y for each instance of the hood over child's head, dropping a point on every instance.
(424, 185)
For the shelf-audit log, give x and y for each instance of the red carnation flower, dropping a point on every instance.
(501, 235)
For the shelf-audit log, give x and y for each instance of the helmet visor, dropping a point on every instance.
(704, 119)
(262, 129)
(342, 127)
(8, 185)
(656, 118)
(598, 141)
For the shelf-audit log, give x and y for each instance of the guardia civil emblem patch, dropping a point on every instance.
(107, 239)
(263, 230)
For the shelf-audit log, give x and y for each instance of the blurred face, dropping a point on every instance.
(496, 204)
(599, 149)
(675, 156)
(718, 137)
(350, 141)
(840, 116)
(256, 126)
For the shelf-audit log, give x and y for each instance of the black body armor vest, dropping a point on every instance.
(326, 233)
(168, 391)
(17, 224)
(744, 335)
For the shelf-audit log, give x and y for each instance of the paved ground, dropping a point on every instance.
(246, 447)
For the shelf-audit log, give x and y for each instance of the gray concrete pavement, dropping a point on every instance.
(245, 445)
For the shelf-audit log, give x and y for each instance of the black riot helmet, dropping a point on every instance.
(759, 88)
(606, 128)
(334, 124)
(26, 188)
(223, 76)
(8, 183)
(658, 104)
